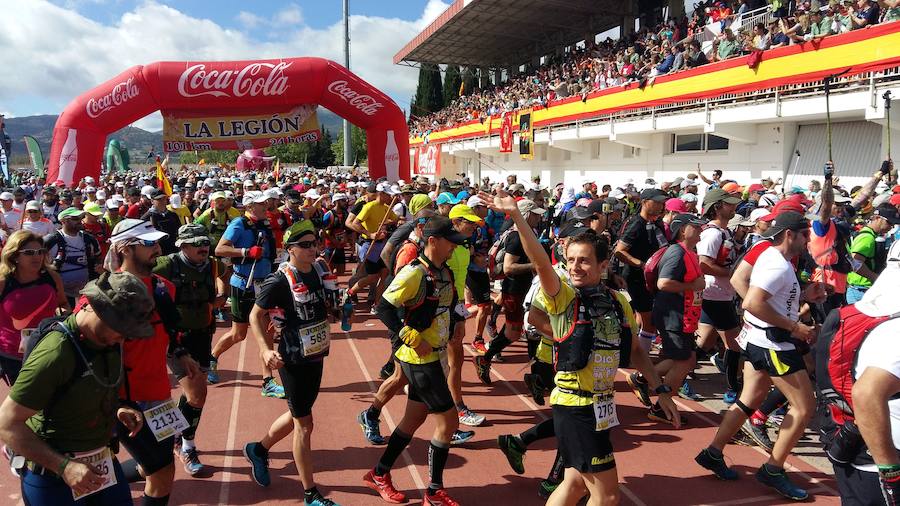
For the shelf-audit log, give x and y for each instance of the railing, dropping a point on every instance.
(713, 28)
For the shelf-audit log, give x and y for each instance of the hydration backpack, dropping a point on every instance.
(496, 255)
(651, 269)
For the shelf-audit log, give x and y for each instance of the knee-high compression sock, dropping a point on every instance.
(732, 363)
(396, 444)
(532, 347)
(437, 459)
(537, 432)
(774, 400)
(192, 415)
(645, 339)
(497, 345)
(557, 469)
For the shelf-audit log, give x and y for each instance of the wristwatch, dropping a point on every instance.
(663, 389)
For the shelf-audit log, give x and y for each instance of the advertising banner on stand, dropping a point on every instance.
(526, 135)
(506, 133)
(205, 130)
(429, 160)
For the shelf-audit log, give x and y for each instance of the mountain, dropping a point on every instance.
(136, 139)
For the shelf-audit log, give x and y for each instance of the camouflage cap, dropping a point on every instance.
(191, 233)
(122, 302)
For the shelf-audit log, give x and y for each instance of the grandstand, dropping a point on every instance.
(748, 111)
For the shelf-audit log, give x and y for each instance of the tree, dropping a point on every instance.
(211, 157)
(357, 145)
(452, 81)
(470, 80)
(320, 154)
(429, 95)
(290, 153)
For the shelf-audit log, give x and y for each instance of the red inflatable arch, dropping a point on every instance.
(81, 131)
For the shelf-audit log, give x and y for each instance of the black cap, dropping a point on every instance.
(572, 228)
(157, 193)
(788, 220)
(441, 226)
(654, 195)
(581, 213)
(683, 219)
(888, 212)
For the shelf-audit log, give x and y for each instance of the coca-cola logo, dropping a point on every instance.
(255, 79)
(121, 93)
(365, 103)
(391, 157)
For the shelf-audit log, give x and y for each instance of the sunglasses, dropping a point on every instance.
(200, 244)
(33, 252)
(144, 242)
(34, 211)
(305, 244)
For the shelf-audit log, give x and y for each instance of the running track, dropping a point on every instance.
(655, 462)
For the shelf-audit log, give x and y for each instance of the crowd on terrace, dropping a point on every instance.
(669, 47)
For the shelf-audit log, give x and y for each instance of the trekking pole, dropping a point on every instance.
(259, 239)
(827, 81)
(390, 206)
(887, 114)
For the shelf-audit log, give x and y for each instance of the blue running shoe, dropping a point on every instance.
(729, 397)
(191, 461)
(686, 392)
(778, 479)
(461, 436)
(272, 389)
(716, 465)
(321, 501)
(259, 466)
(212, 375)
(370, 428)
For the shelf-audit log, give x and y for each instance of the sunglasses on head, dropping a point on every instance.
(33, 252)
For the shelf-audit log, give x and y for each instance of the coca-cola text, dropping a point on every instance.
(365, 103)
(121, 93)
(255, 79)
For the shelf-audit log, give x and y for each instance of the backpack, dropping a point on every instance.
(91, 251)
(651, 269)
(496, 255)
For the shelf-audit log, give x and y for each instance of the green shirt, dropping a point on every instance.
(891, 14)
(863, 244)
(81, 419)
(459, 266)
(727, 48)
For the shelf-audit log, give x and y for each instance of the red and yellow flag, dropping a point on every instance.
(162, 181)
(277, 169)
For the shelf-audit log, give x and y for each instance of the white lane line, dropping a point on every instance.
(630, 495)
(232, 427)
(410, 466)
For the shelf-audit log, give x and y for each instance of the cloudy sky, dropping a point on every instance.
(55, 50)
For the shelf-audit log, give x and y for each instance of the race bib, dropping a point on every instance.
(742, 337)
(165, 420)
(605, 411)
(315, 338)
(102, 461)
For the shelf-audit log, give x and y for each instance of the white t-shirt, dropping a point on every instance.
(42, 228)
(13, 219)
(880, 350)
(711, 243)
(774, 274)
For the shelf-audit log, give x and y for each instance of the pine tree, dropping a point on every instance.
(429, 95)
(452, 81)
(470, 81)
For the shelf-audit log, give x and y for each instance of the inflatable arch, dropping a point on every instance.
(81, 130)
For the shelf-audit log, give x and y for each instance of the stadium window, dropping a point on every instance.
(630, 152)
(716, 143)
(682, 143)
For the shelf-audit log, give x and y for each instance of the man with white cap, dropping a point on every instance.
(12, 217)
(35, 221)
(249, 242)
(334, 232)
(75, 253)
(372, 224)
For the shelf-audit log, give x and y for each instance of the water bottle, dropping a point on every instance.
(346, 312)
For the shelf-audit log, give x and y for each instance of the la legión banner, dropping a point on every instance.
(205, 130)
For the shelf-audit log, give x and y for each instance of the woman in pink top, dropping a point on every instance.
(29, 292)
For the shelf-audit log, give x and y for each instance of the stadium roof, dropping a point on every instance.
(502, 33)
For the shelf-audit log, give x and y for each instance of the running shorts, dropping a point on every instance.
(151, 454)
(428, 385)
(721, 314)
(301, 386)
(479, 284)
(774, 362)
(581, 446)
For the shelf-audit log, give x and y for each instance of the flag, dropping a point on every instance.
(487, 125)
(34, 152)
(162, 182)
(202, 161)
(462, 88)
(277, 167)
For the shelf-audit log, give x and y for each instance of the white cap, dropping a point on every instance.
(120, 184)
(616, 193)
(175, 201)
(768, 200)
(312, 193)
(33, 205)
(689, 197)
(229, 194)
(338, 196)
(757, 213)
(475, 201)
(101, 194)
(89, 179)
(210, 183)
(90, 189)
(249, 182)
(385, 187)
(135, 229)
(6, 196)
(113, 203)
(272, 193)
(147, 190)
(254, 197)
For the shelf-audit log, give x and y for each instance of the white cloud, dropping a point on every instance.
(291, 15)
(58, 54)
(249, 19)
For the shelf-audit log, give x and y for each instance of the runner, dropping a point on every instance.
(425, 331)
(59, 414)
(195, 277)
(335, 234)
(297, 301)
(74, 253)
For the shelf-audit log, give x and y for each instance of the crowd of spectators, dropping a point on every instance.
(672, 46)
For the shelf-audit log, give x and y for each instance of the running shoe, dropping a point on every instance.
(686, 392)
(546, 488)
(482, 369)
(729, 397)
(657, 414)
(535, 388)
(259, 466)
(514, 452)
(741, 439)
(384, 487)
(640, 387)
(212, 375)
(758, 434)
(272, 389)
(719, 361)
(373, 311)
(439, 498)
(321, 501)
(716, 465)
(461, 436)
(371, 428)
(191, 461)
(781, 483)
(470, 418)
(479, 347)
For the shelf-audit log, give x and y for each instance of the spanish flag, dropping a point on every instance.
(462, 88)
(202, 161)
(277, 169)
(162, 182)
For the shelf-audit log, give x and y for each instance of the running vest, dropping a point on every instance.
(308, 335)
(830, 254)
(257, 227)
(64, 263)
(195, 291)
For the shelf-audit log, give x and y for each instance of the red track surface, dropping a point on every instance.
(655, 462)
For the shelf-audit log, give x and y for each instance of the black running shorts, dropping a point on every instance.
(301, 386)
(198, 344)
(581, 446)
(241, 304)
(152, 455)
(641, 300)
(774, 362)
(677, 345)
(479, 283)
(428, 384)
(721, 314)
